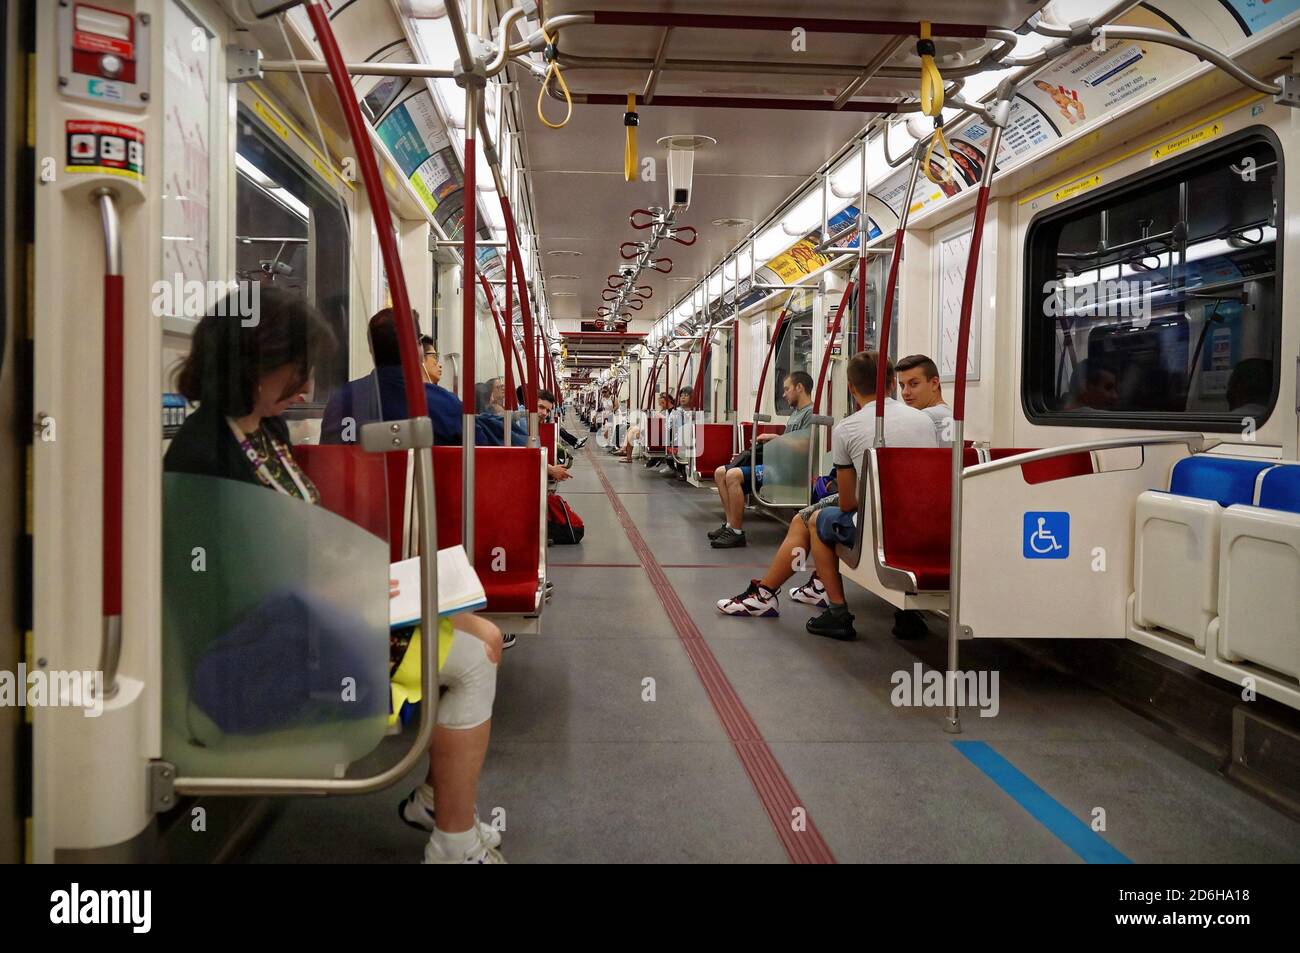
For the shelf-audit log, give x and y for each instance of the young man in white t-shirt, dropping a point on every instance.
(904, 427)
(920, 388)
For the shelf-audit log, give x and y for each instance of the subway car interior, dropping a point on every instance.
(815, 434)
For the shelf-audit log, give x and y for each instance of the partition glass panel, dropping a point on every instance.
(794, 349)
(785, 470)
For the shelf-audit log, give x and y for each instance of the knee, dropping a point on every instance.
(719, 475)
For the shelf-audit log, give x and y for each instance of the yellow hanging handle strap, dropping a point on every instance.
(932, 105)
(630, 122)
(553, 70)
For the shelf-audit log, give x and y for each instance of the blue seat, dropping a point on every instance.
(1280, 489)
(1224, 480)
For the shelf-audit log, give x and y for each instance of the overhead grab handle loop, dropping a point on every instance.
(662, 261)
(551, 55)
(643, 291)
(676, 234)
(630, 121)
(642, 211)
(931, 95)
(637, 248)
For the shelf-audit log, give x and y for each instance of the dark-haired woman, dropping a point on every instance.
(244, 374)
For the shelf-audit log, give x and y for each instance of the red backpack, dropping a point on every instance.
(563, 525)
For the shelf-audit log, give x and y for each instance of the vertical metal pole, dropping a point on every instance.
(469, 314)
(887, 309)
(864, 230)
(953, 721)
(112, 478)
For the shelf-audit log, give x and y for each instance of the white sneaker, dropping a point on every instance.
(414, 814)
(479, 853)
(811, 593)
(757, 600)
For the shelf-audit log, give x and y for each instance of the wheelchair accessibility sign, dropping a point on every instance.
(1047, 536)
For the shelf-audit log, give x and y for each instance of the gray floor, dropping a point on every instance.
(585, 770)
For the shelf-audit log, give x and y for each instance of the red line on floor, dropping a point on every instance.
(774, 789)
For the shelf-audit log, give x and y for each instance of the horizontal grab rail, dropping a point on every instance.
(1195, 442)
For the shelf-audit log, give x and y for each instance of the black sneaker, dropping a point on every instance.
(507, 640)
(835, 623)
(728, 539)
(715, 533)
(580, 444)
(910, 624)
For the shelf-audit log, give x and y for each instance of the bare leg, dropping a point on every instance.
(455, 761)
(720, 480)
(828, 570)
(735, 498)
(783, 564)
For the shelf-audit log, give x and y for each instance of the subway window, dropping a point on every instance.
(794, 349)
(1158, 303)
(292, 232)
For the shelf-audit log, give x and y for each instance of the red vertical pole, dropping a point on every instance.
(114, 352)
(407, 341)
(530, 351)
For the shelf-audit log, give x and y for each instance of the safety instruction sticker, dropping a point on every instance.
(107, 148)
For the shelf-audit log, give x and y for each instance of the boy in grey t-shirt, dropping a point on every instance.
(920, 387)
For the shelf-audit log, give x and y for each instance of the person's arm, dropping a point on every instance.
(846, 478)
(558, 474)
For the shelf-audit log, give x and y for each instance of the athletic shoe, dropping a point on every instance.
(414, 814)
(550, 589)
(582, 442)
(507, 640)
(715, 533)
(910, 624)
(729, 539)
(480, 853)
(757, 600)
(835, 623)
(811, 593)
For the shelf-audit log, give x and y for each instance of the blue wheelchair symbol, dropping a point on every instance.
(1047, 536)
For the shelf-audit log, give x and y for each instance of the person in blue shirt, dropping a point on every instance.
(381, 394)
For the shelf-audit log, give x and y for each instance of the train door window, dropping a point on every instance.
(794, 349)
(1158, 305)
(292, 231)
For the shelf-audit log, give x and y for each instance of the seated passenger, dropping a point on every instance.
(1095, 386)
(920, 388)
(381, 394)
(546, 412)
(243, 380)
(735, 483)
(1250, 385)
(904, 427)
(838, 524)
(677, 423)
(666, 405)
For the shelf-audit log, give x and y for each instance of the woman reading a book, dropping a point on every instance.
(243, 372)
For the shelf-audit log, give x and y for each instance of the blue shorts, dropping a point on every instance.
(747, 477)
(836, 526)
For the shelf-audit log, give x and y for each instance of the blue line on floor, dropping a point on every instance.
(1044, 808)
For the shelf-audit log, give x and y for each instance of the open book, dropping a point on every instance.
(459, 589)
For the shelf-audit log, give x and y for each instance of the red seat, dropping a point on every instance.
(547, 433)
(1044, 471)
(508, 518)
(368, 489)
(916, 511)
(712, 447)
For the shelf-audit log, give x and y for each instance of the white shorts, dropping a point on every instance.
(469, 684)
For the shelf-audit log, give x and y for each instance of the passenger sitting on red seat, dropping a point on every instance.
(904, 427)
(381, 394)
(666, 406)
(678, 421)
(838, 525)
(243, 380)
(920, 388)
(736, 483)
